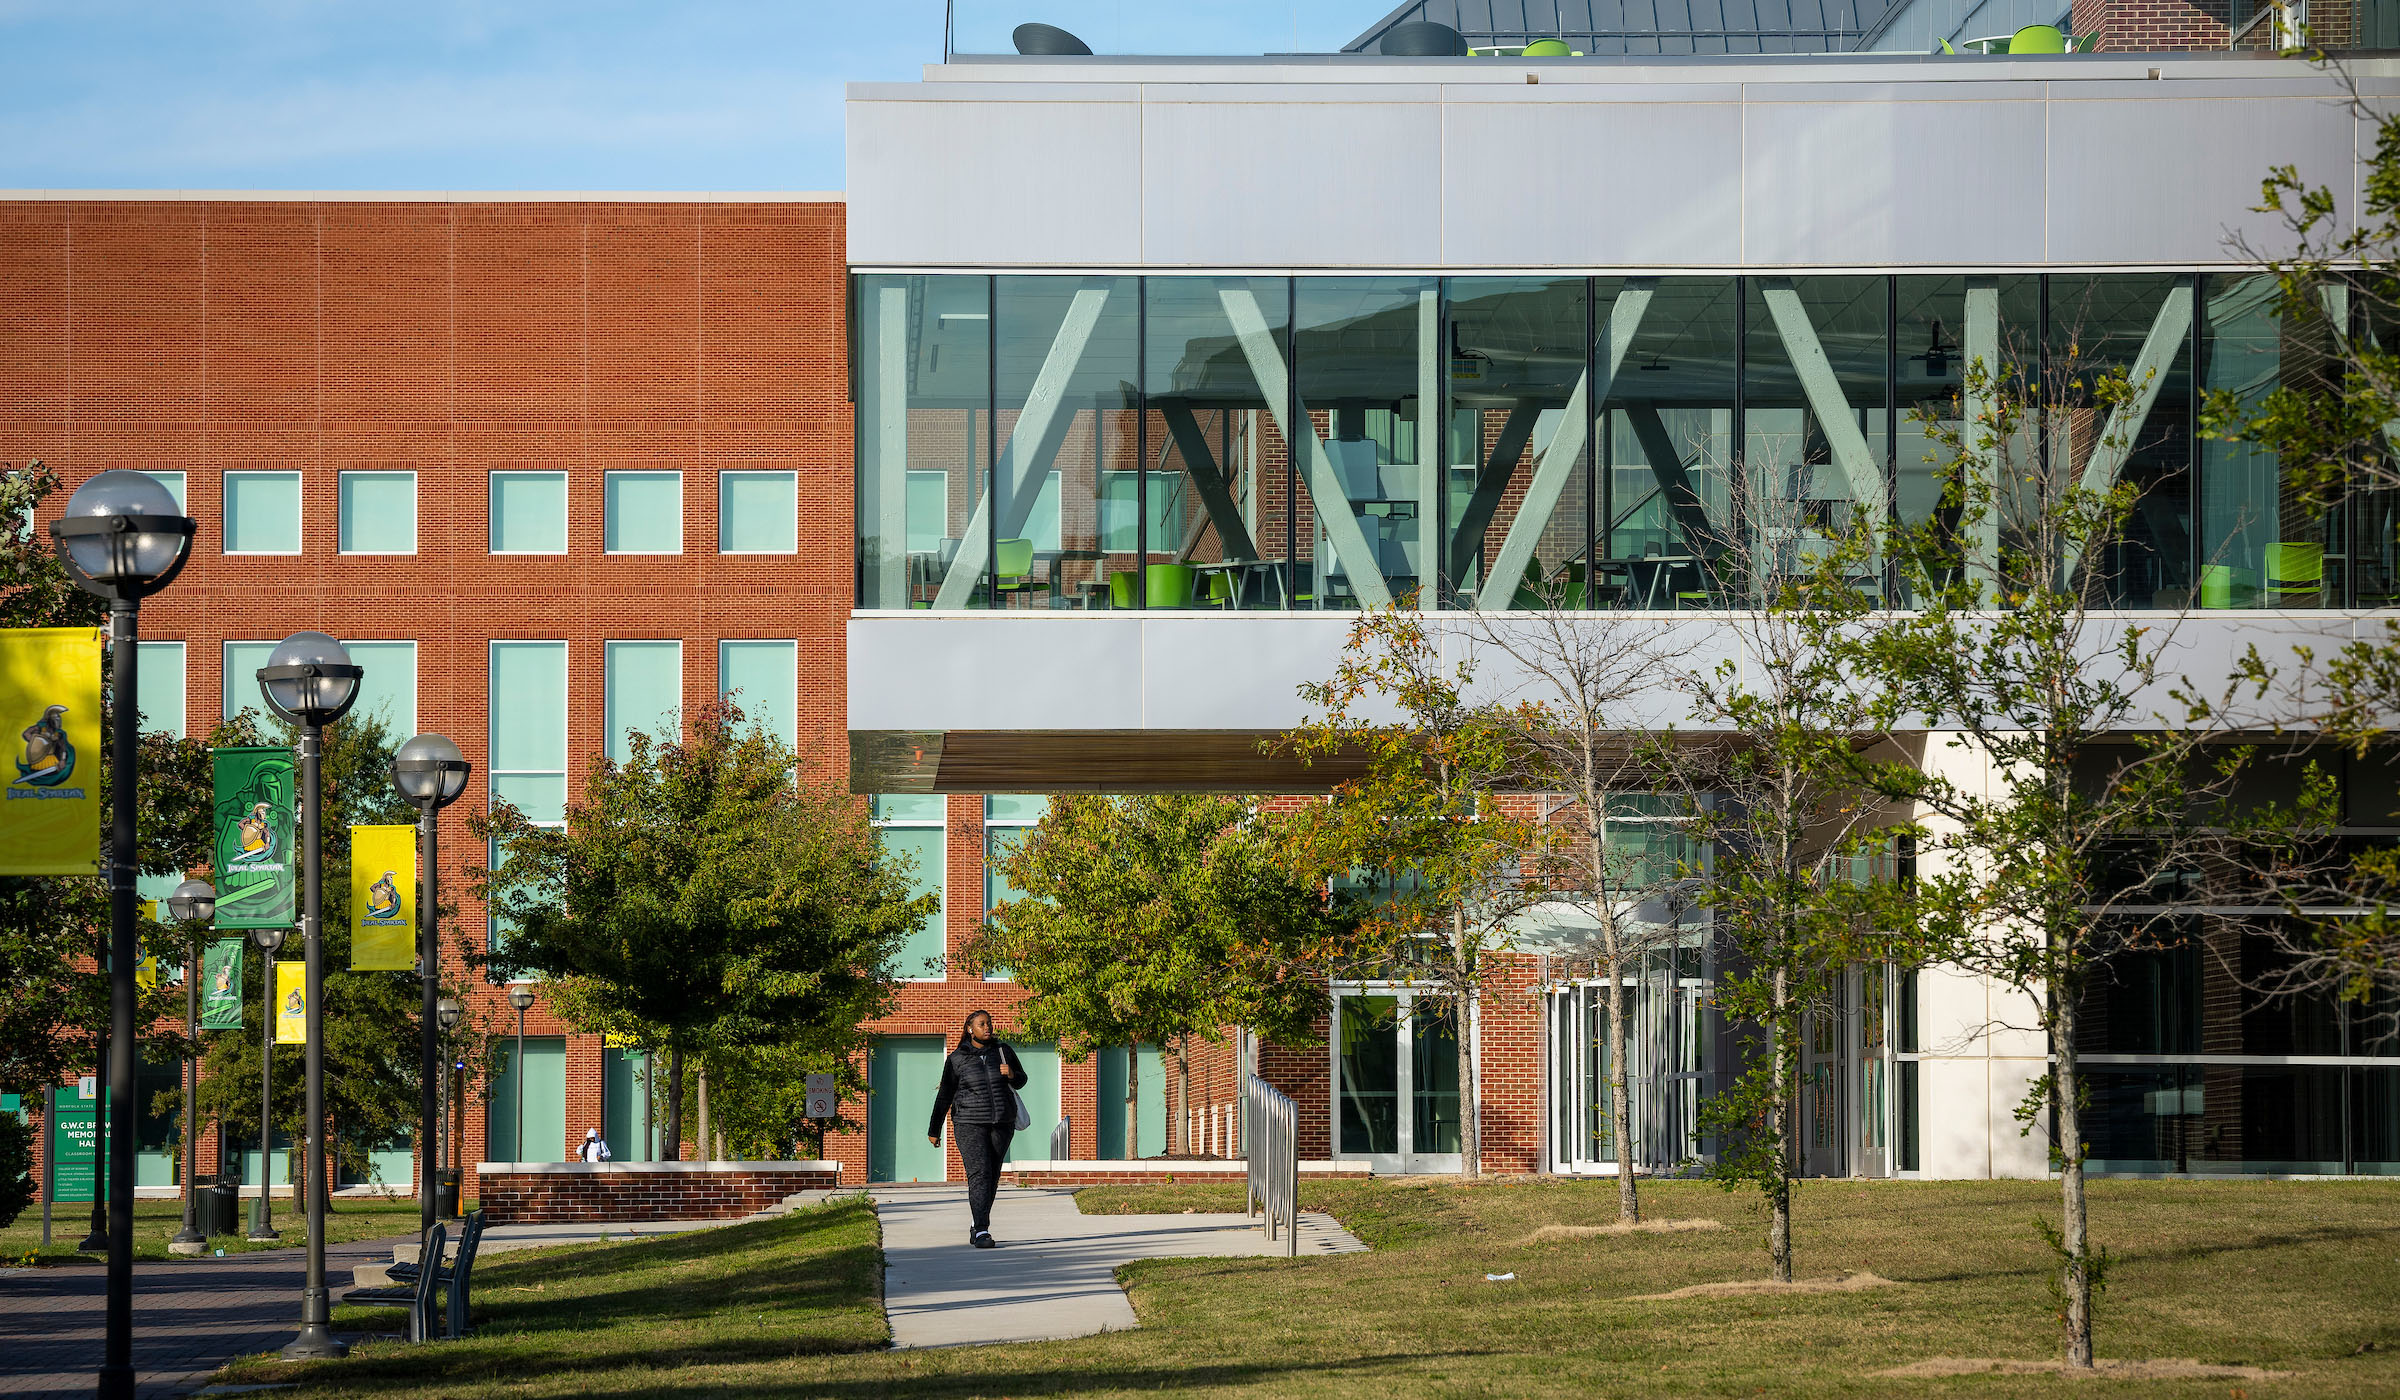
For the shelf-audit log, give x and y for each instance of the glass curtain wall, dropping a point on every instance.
(1520, 501)
(1215, 521)
(1648, 443)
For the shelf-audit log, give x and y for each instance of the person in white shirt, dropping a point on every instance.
(594, 1148)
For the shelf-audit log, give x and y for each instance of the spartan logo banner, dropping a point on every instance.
(383, 898)
(221, 985)
(50, 722)
(255, 859)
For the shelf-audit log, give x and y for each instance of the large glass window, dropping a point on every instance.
(388, 690)
(1212, 527)
(529, 513)
(262, 512)
(923, 373)
(1814, 440)
(1520, 489)
(915, 825)
(239, 684)
(378, 512)
(1367, 357)
(1071, 452)
(160, 702)
(2270, 538)
(529, 728)
(1007, 817)
(1665, 349)
(763, 677)
(643, 685)
(758, 512)
(642, 512)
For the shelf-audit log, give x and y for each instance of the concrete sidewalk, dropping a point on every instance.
(1054, 1274)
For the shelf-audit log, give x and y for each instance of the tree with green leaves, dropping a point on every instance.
(1435, 859)
(705, 893)
(1154, 919)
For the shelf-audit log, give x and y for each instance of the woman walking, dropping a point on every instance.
(979, 1084)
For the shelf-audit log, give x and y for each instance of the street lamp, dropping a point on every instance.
(122, 538)
(262, 1220)
(447, 1010)
(194, 901)
(520, 997)
(430, 772)
(311, 681)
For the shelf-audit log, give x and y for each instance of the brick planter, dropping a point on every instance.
(1156, 1172)
(543, 1193)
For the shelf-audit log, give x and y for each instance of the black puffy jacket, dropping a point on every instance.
(976, 1081)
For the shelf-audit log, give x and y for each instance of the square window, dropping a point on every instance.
(642, 685)
(378, 512)
(764, 679)
(262, 512)
(529, 512)
(758, 513)
(643, 512)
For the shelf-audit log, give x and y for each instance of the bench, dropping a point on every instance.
(419, 1282)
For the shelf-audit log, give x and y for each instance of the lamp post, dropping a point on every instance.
(430, 772)
(311, 681)
(122, 538)
(262, 1220)
(520, 997)
(193, 902)
(447, 1011)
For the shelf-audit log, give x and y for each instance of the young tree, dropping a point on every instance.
(1585, 703)
(2068, 766)
(1150, 920)
(1436, 857)
(709, 892)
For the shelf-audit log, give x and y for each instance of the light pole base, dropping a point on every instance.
(94, 1243)
(263, 1236)
(316, 1342)
(116, 1383)
(180, 1245)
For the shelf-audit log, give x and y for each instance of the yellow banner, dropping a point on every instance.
(383, 898)
(50, 723)
(291, 1003)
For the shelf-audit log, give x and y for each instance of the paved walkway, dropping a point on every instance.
(188, 1318)
(1054, 1274)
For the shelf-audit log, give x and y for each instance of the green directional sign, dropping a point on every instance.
(74, 1127)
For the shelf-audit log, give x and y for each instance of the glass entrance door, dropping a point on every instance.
(1395, 1066)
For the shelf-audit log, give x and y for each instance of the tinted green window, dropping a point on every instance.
(1022, 807)
(379, 512)
(161, 687)
(388, 690)
(529, 727)
(928, 510)
(644, 685)
(644, 512)
(544, 1104)
(903, 1074)
(529, 512)
(764, 678)
(1040, 1097)
(173, 481)
(758, 512)
(926, 953)
(1119, 520)
(913, 807)
(240, 686)
(1151, 1109)
(262, 512)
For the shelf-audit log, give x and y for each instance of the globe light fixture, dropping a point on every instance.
(122, 538)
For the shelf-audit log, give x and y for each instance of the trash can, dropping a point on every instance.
(445, 1195)
(221, 1205)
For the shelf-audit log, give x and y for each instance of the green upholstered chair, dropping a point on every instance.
(1219, 590)
(2223, 586)
(1170, 585)
(1012, 562)
(2037, 38)
(2295, 573)
(1120, 588)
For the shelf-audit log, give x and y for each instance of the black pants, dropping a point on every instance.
(983, 1147)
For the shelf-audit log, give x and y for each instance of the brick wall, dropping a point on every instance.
(613, 1193)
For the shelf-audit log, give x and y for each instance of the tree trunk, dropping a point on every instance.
(674, 1134)
(1470, 1108)
(2065, 1081)
(1780, 1124)
(1620, 1097)
(1133, 1101)
(705, 1142)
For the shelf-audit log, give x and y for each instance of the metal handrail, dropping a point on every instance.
(1059, 1148)
(1271, 1143)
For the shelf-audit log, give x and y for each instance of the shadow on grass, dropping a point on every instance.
(2181, 1254)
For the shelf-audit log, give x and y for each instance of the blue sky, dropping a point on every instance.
(517, 94)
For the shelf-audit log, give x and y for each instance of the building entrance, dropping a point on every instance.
(1395, 1067)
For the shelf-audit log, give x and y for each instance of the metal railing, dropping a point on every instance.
(1271, 1139)
(1059, 1148)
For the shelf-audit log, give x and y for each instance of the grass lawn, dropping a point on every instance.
(2300, 1276)
(155, 1222)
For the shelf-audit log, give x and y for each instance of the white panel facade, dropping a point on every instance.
(1585, 183)
(944, 178)
(1871, 181)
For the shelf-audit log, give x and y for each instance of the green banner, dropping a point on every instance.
(221, 985)
(255, 860)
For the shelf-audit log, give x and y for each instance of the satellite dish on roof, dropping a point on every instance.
(1423, 39)
(1049, 40)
